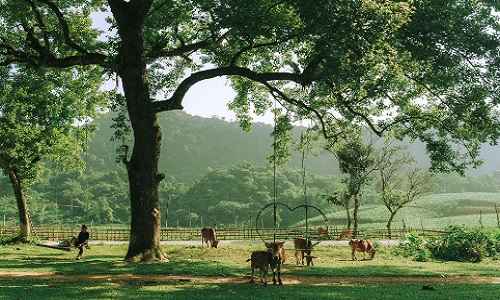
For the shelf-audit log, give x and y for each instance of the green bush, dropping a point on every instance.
(414, 247)
(6, 239)
(463, 244)
(458, 244)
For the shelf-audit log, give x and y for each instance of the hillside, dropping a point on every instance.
(192, 145)
(213, 168)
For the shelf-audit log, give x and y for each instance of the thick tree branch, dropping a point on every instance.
(42, 26)
(180, 51)
(175, 102)
(64, 26)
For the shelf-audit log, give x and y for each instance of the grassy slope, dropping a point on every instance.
(433, 212)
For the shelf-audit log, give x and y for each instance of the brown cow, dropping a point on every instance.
(263, 259)
(361, 246)
(302, 250)
(275, 249)
(282, 255)
(323, 232)
(209, 237)
(259, 260)
(345, 235)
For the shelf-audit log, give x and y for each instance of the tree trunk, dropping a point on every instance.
(355, 216)
(22, 207)
(349, 220)
(389, 223)
(142, 167)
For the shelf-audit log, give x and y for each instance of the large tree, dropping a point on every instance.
(428, 67)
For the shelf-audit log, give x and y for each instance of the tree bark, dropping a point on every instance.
(22, 207)
(389, 224)
(142, 167)
(348, 216)
(355, 215)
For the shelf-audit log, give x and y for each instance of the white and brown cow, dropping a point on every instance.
(303, 249)
(361, 246)
(209, 236)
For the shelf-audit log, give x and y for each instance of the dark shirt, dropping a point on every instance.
(82, 237)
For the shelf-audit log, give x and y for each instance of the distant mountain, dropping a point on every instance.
(192, 145)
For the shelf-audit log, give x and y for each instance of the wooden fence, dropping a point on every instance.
(57, 233)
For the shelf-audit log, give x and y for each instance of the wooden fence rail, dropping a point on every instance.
(57, 233)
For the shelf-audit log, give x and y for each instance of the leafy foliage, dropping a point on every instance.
(464, 244)
(459, 243)
(414, 247)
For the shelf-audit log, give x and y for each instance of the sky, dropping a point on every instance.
(210, 98)
(207, 98)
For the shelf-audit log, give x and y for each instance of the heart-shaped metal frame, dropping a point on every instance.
(304, 206)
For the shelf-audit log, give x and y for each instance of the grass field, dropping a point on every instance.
(31, 272)
(432, 212)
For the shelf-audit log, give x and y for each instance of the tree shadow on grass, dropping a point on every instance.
(32, 288)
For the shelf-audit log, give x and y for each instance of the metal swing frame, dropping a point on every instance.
(275, 204)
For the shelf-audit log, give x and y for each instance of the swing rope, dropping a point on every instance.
(275, 189)
(304, 186)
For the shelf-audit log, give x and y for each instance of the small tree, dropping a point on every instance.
(356, 161)
(38, 110)
(400, 180)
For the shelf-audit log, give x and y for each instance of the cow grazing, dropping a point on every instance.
(309, 260)
(323, 232)
(209, 236)
(263, 259)
(361, 246)
(303, 249)
(345, 235)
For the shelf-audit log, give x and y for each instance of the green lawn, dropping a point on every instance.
(103, 265)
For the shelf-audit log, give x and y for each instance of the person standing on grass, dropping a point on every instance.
(81, 241)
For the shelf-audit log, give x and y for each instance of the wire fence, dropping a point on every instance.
(58, 233)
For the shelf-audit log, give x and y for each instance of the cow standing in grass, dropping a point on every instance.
(209, 236)
(259, 260)
(303, 249)
(361, 246)
(262, 260)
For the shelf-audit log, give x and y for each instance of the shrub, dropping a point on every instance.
(413, 247)
(6, 239)
(457, 244)
(463, 244)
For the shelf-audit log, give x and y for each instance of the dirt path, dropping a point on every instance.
(221, 279)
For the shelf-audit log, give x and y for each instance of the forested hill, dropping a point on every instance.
(191, 145)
